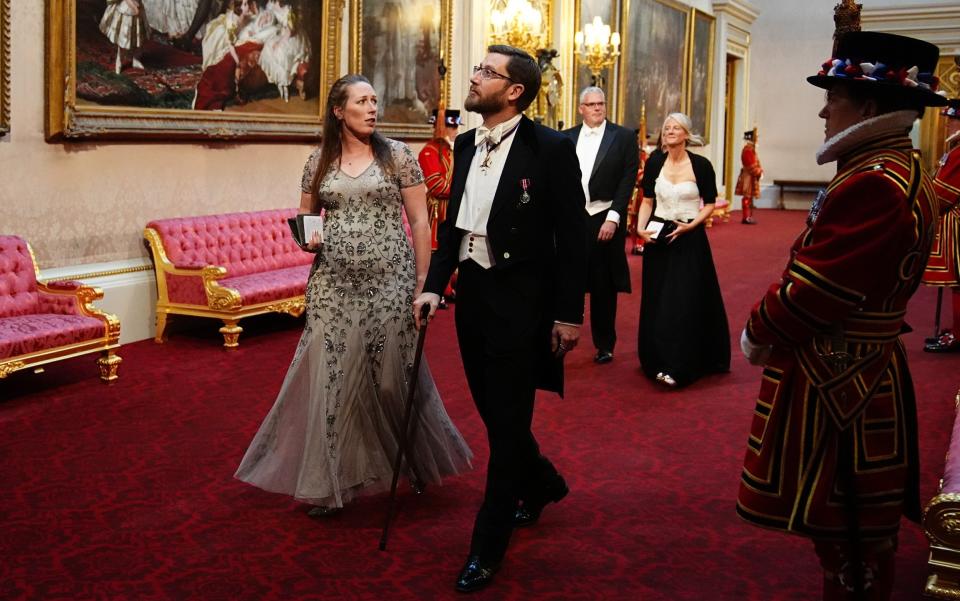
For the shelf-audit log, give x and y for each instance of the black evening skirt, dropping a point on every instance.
(683, 324)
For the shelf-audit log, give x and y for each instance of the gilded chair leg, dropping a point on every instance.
(9, 367)
(160, 336)
(231, 333)
(108, 363)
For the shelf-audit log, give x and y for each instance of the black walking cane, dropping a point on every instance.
(405, 435)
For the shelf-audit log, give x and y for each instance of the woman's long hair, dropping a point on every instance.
(687, 125)
(330, 145)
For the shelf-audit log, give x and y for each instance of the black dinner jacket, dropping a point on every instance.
(542, 239)
(615, 170)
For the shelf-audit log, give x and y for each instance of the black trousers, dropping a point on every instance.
(603, 319)
(607, 274)
(500, 332)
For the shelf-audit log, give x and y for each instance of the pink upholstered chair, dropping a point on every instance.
(42, 322)
(227, 267)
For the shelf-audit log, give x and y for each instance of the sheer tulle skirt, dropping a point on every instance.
(332, 433)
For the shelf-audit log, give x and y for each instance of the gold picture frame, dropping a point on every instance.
(652, 73)
(72, 116)
(700, 71)
(403, 116)
(4, 67)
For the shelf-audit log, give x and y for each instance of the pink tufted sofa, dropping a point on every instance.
(42, 322)
(227, 267)
(941, 524)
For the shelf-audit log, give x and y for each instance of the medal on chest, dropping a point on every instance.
(525, 196)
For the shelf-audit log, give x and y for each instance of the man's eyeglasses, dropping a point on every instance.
(488, 73)
(593, 105)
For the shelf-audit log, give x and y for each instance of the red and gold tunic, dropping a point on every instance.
(436, 160)
(943, 267)
(748, 183)
(845, 288)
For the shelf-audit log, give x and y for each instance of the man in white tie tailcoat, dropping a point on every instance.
(609, 159)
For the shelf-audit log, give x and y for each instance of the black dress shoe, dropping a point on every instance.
(947, 343)
(528, 513)
(475, 575)
(603, 357)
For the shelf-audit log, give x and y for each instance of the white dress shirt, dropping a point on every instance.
(588, 145)
(481, 187)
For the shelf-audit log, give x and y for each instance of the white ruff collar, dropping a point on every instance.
(855, 135)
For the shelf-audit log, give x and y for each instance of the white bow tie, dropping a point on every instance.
(490, 136)
(493, 136)
(591, 131)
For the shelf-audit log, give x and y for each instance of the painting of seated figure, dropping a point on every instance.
(198, 68)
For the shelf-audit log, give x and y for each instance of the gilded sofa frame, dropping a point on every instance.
(223, 303)
(84, 295)
(941, 524)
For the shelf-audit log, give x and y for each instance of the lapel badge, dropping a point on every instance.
(525, 196)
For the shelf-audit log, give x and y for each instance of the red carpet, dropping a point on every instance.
(126, 491)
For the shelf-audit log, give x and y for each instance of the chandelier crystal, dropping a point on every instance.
(518, 24)
(596, 47)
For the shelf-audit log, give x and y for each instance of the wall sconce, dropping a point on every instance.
(596, 47)
(518, 24)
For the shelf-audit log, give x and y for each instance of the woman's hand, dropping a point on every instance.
(682, 228)
(314, 244)
(647, 236)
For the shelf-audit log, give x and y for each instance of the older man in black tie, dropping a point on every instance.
(515, 229)
(609, 159)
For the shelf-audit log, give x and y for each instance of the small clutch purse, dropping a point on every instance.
(303, 227)
(661, 228)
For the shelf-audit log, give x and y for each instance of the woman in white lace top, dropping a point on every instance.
(683, 324)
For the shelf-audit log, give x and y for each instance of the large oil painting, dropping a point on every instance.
(4, 67)
(399, 46)
(701, 73)
(195, 68)
(653, 62)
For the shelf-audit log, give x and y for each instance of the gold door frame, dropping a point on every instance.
(66, 119)
(933, 125)
(405, 130)
(730, 99)
(4, 67)
(708, 105)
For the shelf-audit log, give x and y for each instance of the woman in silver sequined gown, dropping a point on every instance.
(332, 433)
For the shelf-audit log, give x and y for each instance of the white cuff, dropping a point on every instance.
(613, 216)
(756, 354)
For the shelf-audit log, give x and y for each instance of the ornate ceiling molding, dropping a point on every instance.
(739, 9)
(937, 24)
